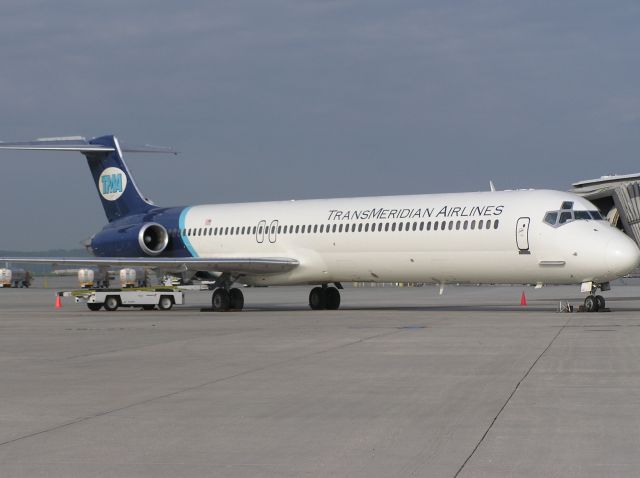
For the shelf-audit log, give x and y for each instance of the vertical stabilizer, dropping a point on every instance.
(118, 191)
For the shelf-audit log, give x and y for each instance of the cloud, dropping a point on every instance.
(272, 100)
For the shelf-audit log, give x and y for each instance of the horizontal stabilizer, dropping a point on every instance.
(79, 144)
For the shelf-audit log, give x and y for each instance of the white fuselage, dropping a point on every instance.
(479, 237)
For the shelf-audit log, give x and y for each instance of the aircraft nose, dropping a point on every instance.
(623, 255)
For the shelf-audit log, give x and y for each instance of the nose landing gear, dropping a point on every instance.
(593, 302)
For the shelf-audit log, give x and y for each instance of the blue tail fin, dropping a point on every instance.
(118, 191)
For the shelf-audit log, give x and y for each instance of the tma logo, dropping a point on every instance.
(112, 183)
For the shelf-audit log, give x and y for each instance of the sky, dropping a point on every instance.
(283, 99)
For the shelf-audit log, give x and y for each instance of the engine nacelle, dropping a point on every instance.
(153, 238)
(149, 239)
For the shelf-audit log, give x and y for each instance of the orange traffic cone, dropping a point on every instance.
(58, 302)
(523, 299)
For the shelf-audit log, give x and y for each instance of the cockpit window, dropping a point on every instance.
(567, 205)
(565, 216)
(551, 218)
(557, 218)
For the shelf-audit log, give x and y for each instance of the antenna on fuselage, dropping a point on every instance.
(492, 187)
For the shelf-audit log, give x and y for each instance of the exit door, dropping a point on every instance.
(273, 231)
(522, 234)
(260, 231)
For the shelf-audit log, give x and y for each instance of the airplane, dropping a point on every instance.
(517, 237)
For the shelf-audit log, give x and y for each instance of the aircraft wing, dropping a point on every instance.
(238, 265)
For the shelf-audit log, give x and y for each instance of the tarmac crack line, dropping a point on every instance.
(511, 395)
(194, 387)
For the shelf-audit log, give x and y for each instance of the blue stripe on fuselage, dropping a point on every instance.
(185, 238)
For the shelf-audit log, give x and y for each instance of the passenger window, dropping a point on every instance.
(450, 225)
(380, 227)
(457, 225)
(366, 227)
(551, 218)
(304, 227)
(321, 227)
(495, 224)
(565, 216)
(465, 225)
(473, 224)
(386, 227)
(407, 226)
(422, 225)
(279, 229)
(360, 227)
(429, 226)
(297, 228)
(480, 223)
(435, 225)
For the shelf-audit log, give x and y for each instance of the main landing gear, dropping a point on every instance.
(224, 300)
(324, 298)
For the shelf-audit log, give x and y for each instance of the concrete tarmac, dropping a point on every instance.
(400, 382)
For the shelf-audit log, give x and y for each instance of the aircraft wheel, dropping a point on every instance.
(111, 303)
(94, 307)
(590, 304)
(317, 298)
(332, 298)
(236, 299)
(220, 300)
(165, 303)
(601, 302)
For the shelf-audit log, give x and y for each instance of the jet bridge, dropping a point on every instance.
(618, 198)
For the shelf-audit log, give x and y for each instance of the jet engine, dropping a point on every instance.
(153, 238)
(148, 239)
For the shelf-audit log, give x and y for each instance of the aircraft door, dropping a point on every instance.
(260, 230)
(273, 231)
(522, 234)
